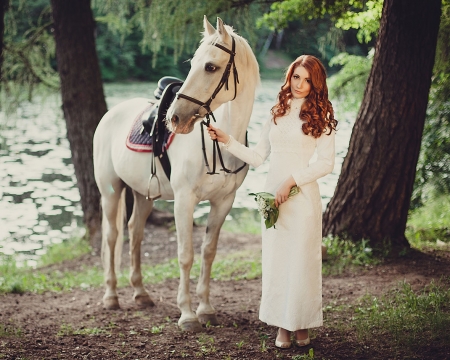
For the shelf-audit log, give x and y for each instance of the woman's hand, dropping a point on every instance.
(282, 193)
(217, 134)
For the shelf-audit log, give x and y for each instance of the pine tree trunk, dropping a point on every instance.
(373, 194)
(82, 96)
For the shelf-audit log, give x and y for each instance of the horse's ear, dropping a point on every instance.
(222, 31)
(209, 29)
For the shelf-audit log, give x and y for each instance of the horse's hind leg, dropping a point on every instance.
(219, 210)
(112, 229)
(141, 210)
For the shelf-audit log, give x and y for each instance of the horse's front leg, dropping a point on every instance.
(184, 210)
(219, 210)
(141, 210)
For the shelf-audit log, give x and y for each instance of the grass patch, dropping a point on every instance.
(156, 330)
(236, 266)
(245, 265)
(405, 323)
(20, 280)
(309, 355)
(8, 279)
(429, 225)
(404, 319)
(342, 254)
(67, 250)
(7, 330)
(15, 279)
(345, 254)
(239, 220)
(164, 205)
(206, 344)
(244, 221)
(69, 330)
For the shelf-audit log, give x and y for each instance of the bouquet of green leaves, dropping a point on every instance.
(267, 208)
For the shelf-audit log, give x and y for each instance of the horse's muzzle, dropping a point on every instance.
(175, 121)
(178, 128)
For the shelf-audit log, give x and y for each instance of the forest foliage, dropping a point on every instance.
(144, 40)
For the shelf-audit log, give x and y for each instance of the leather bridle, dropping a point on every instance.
(206, 105)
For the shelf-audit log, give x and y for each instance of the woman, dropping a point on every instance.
(302, 122)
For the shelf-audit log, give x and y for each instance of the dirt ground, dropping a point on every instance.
(47, 321)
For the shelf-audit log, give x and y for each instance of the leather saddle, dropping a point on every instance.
(155, 125)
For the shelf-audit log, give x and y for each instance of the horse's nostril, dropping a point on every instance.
(175, 119)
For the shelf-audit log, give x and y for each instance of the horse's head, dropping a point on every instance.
(208, 85)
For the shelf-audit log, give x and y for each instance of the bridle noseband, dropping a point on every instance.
(209, 113)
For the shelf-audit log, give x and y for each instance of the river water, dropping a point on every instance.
(39, 200)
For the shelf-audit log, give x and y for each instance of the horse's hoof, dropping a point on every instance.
(143, 301)
(111, 303)
(191, 325)
(210, 319)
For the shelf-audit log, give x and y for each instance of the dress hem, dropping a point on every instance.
(311, 326)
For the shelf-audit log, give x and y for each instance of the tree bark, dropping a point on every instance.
(82, 97)
(372, 197)
(3, 8)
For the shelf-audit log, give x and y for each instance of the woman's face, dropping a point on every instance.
(300, 83)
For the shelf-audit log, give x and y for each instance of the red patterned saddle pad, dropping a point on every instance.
(143, 142)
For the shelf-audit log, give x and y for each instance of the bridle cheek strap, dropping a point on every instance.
(209, 113)
(223, 81)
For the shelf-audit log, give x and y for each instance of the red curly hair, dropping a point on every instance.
(317, 111)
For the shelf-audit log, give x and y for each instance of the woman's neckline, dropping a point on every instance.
(296, 103)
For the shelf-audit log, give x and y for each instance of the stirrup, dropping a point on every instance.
(158, 195)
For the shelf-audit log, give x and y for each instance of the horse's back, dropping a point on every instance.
(122, 114)
(116, 124)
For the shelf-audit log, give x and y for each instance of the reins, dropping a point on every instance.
(206, 105)
(216, 145)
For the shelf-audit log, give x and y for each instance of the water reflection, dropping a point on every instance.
(39, 200)
(39, 204)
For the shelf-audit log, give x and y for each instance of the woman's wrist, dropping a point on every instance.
(227, 144)
(290, 182)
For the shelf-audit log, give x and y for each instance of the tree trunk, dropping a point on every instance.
(82, 96)
(372, 198)
(3, 8)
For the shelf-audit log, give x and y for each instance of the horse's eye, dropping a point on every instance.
(210, 68)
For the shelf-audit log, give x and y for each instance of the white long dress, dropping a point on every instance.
(291, 252)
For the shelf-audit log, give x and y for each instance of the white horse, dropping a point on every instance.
(205, 90)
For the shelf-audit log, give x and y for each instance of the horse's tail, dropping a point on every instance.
(105, 254)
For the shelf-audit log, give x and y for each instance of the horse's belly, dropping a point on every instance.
(220, 186)
(134, 168)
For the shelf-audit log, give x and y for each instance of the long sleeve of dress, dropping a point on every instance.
(324, 164)
(253, 156)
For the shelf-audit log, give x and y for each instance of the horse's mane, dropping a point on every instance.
(247, 56)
